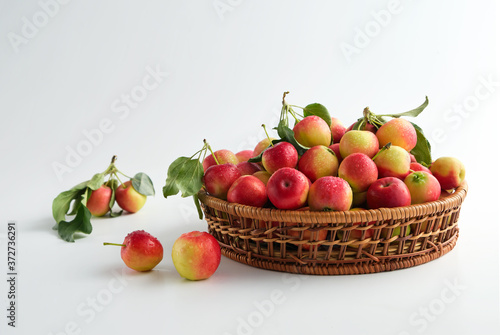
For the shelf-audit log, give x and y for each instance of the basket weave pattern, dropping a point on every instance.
(322, 243)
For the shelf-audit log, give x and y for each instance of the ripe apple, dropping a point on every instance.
(330, 193)
(359, 171)
(337, 129)
(399, 132)
(263, 176)
(388, 192)
(219, 178)
(336, 149)
(288, 188)
(449, 171)
(423, 187)
(98, 202)
(128, 198)
(312, 130)
(248, 190)
(262, 145)
(247, 168)
(317, 162)
(244, 155)
(140, 250)
(359, 141)
(414, 166)
(223, 157)
(280, 155)
(196, 255)
(392, 162)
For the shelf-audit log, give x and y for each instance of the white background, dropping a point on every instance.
(227, 70)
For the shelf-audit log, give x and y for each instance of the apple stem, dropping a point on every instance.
(211, 151)
(385, 147)
(116, 244)
(264, 126)
(116, 175)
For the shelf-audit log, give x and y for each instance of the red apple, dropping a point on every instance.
(280, 155)
(317, 162)
(196, 255)
(449, 171)
(128, 198)
(312, 130)
(140, 250)
(98, 202)
(423, 187)
(388, 192)
(414, 166)
(244, 155)
(359, 171)
(288, 188)
(219, 178)
(359, 141)
(248, 190)
(338, 130)
(330, 193)
(223, 157)
(399, 132)
(392, 162)
(247, 168)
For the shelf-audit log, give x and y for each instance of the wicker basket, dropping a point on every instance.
(322, 243)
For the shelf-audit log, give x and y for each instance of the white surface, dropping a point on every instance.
(225, 78)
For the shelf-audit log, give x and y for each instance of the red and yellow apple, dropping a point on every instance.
(319, 161)
(362, 141)
(338, 130)
(244, 155)
(399, 132)
(423, 187)
(196, 255)
(278, 156)
(359, 171)
(449, 171)
(98, 202)
(128, 198)
(223, 157)
(312, 130)
(392, 162)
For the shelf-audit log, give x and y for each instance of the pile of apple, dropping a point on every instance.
(325, 166)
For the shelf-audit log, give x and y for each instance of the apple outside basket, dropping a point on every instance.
(319, 243)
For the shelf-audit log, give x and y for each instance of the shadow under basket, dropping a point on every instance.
(336, 242)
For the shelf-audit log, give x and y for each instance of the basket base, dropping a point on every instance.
(341, 268)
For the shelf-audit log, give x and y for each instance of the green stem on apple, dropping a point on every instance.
(116, 244)
(211, 151)
(385, 147)
(116, 175)
(264, 126)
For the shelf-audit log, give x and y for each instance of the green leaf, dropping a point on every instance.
(185, 175)
(286, 134)
(143, 184)
(61, 203)
(198, 207)
(318, 110)
(422, 150)
(413, 113)
(81, 223)
(96, 181)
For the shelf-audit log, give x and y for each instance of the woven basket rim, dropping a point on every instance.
(306, 216)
